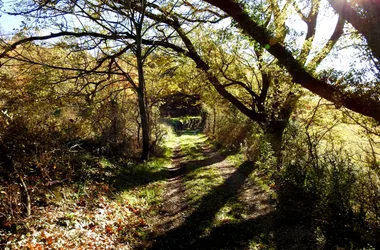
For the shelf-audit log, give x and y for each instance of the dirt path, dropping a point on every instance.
(202, 181)
(211, 202)
(171, 214)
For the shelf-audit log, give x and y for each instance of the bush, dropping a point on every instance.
(338, 194)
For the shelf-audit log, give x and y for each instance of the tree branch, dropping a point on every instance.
(14, 45)
(365, 106)
(338, 32)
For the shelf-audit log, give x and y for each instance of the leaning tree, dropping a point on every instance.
(364, 102)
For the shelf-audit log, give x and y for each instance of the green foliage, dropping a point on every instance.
(227, 126)
(339, 193)
(180, 124)
(321, 180)
(200, 182)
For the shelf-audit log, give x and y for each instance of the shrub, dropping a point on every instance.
(340, 195)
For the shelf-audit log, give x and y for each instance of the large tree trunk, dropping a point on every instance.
(274, 132)
(143, 113)
(275, 129)
(368, 25)
(214, 120)
(145, 128)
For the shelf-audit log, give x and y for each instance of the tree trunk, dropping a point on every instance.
(275, 129)
(143, 111)
(274, 132)
(144, 126)
(214, 120)
(141, 98)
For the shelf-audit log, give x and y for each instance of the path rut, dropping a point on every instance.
(172, 211)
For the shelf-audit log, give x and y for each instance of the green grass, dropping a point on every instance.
(236, 159)
(348, 136)
(170, 140)
(185, 118)
(191, 146)
(143, 184)
(233, 211)
(201, 182)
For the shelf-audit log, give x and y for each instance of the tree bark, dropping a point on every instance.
(275, 128)
(214, 120)
(368, 26)
(274, 132)
(143, 112)
(141, 98)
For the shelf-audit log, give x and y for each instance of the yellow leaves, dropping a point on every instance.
(259, 246)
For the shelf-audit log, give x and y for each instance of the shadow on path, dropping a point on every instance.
(143, 176)
(175, 206)
(264, 225)
(189, 234)
(275, 229)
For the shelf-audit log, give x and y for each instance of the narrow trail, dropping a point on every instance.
(171, 212)
(211, 202)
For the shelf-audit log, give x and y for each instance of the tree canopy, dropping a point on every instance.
(106, 24)
(121, 104)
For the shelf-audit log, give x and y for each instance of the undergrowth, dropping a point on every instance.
(110, 206)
